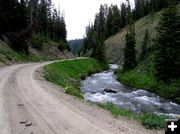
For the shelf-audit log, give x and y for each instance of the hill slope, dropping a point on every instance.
(49, 51)
(143, 76)
(115, 44)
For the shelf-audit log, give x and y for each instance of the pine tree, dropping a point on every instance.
(129, 50)
(109, 24)
(7, 16)
(116, 21)
(63, 32)
(167, 60)
(100, 21)
(98, 51)
(33, 10)
(43, 17)
(21, 20)
(139, 8)
(123, 15)
(145, 45)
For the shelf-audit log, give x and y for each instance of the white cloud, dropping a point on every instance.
(78, 14)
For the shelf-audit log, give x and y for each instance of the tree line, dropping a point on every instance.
(109, 20)
(76, 46)
(30, 16)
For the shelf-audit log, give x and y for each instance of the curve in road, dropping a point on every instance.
(31, 105)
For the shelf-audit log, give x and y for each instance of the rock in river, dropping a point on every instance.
(110, 90)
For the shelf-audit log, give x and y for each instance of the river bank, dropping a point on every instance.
(142, 77)
(69, 74)
(148, 108)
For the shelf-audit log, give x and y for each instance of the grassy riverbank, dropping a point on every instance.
(142, 77)
(148, 120)
(68, 74)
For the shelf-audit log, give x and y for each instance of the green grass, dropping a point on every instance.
(137, 79)
(148, 120)
(148, 82)
(153, 121)
(116, 111)
(143, 77)
(69, 73)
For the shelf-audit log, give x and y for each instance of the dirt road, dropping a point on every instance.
(31, 105)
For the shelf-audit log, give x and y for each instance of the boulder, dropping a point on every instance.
(110, 91)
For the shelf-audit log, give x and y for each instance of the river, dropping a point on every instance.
(103, 87)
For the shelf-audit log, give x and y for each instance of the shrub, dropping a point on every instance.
(116, 111)
(37, 41)
(63, 45)
(153, 121)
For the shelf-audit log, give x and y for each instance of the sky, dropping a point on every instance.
(79, 13)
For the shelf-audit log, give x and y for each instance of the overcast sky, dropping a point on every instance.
(79, 13)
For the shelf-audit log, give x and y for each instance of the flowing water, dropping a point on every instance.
(138, 101)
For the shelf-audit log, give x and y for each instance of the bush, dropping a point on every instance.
(153, 121)
(73, 91)
(37, 41)
(18, 42)
(63, 45)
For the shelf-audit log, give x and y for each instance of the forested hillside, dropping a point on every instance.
(144, 40)
(157, 53)
(111, 19)
(116, 43)
(32, 27)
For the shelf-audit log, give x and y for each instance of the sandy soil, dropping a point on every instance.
(31, 105)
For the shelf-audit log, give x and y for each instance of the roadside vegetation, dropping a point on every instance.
(148, 120)
(68, 74)
(39, 50)
(8, 56)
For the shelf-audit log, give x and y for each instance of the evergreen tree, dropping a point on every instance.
(43, 18)
(123, 15)
(22, 16)
(113, 22)
(63, 32)
(129, 50)
(33, 10)
(95, 35)
(109, 24)
(139, 8)
(100, 21)
(167, 60)
(98, 51)
(116, 21)
(13, 16)
(145, 45)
